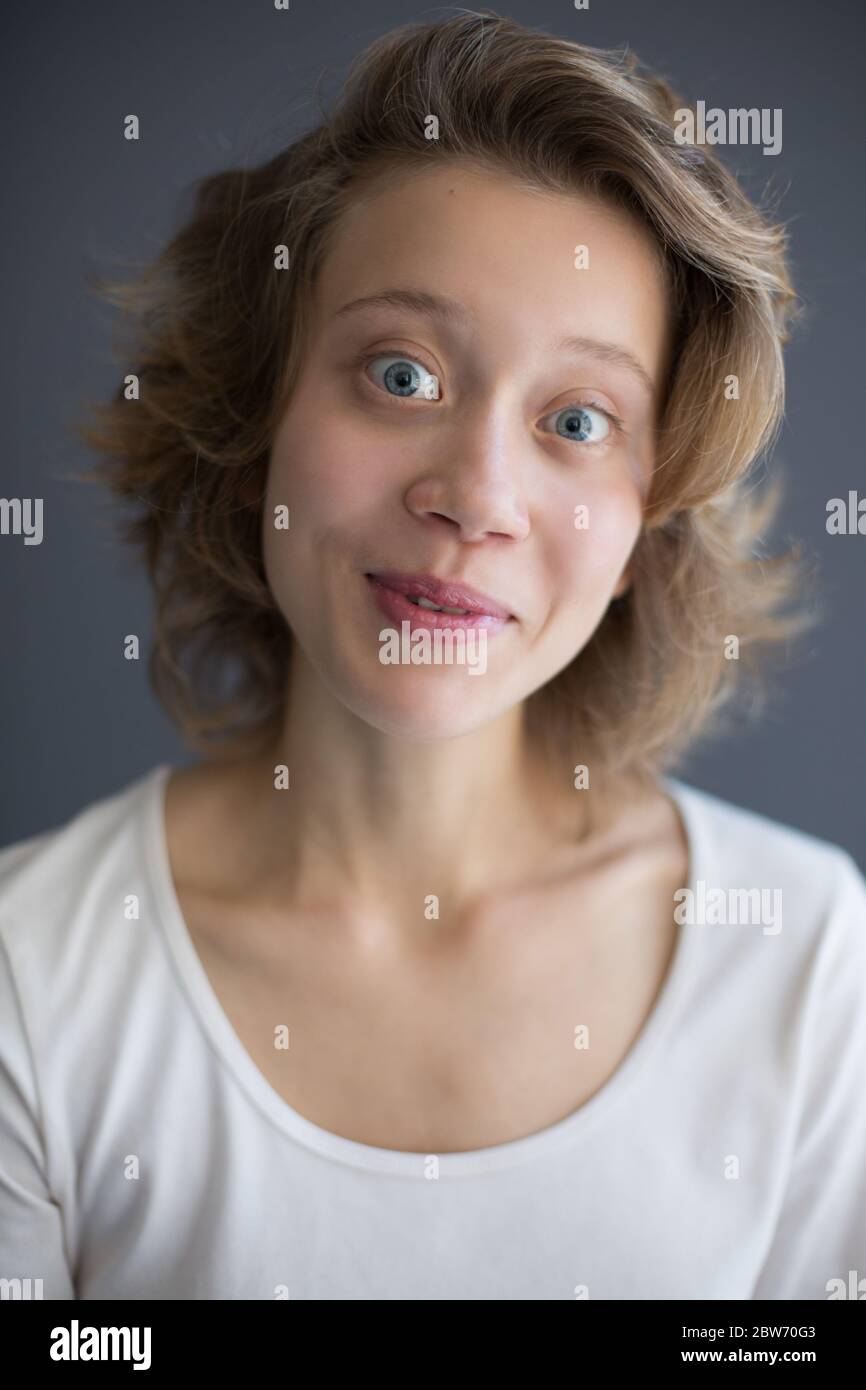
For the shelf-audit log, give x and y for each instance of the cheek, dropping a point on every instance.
(334, 480)
(595, 545)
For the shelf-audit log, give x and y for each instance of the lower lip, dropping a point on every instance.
(400, 609)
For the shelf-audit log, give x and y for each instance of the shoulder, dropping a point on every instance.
(80, 967)
(779, 917)
(741, 847)
(63, 890)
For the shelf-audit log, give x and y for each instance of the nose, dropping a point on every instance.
(475, 484)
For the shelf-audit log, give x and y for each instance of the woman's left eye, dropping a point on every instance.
(585, 424)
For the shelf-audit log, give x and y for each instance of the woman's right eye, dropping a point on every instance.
(405, 377)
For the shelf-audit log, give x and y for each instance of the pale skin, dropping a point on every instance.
(307, 906)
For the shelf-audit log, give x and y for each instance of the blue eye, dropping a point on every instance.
(406, 378)
(403, 377)
(577, 422)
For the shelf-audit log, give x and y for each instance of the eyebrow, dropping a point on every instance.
(454, 314)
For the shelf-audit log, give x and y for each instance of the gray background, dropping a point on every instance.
(230, 81)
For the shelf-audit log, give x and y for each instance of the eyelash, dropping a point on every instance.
(365, 358)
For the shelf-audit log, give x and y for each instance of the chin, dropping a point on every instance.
(419, 715)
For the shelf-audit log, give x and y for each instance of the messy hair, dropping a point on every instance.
(218, 337)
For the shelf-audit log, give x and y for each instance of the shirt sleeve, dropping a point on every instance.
(818, 1249)
(32, 1244)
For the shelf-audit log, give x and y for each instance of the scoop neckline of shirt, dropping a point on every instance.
(328, 1143)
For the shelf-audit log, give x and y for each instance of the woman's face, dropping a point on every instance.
(473, 444)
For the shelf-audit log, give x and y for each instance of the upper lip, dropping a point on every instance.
(446, 593)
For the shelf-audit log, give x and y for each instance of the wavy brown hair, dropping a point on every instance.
(218, 336)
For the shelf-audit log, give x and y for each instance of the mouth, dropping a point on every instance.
(430, 602)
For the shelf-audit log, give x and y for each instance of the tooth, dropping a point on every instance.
(439, 607)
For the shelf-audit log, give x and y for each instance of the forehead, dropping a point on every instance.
(525, 264)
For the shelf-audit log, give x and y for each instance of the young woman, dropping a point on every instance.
(429, 980)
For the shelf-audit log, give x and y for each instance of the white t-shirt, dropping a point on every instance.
(144, 1155)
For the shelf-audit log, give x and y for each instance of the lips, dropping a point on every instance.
(444, 593)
